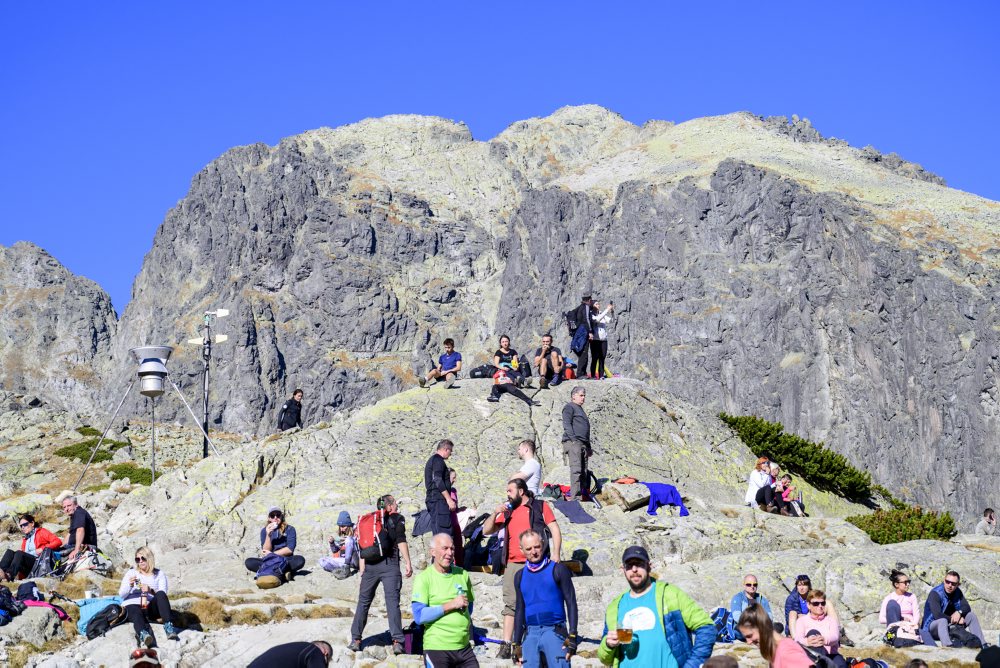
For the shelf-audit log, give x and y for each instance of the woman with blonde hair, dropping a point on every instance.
(777, 650)
(759, 477)
(144, 597)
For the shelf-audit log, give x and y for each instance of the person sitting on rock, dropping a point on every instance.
(759, 477)
(531, 471)
(448, 366)
(946, 605)
(902, 607)
(144, 597)
(343, 546)
(507, 358)
(82, 530)
(750, 595)
(988, 525)
(755, 626)
(503, 382)
(549, 362)
(796, 603)
(16, 564)
(766, 496)
(820, 628)
(278, 537)
(315, 654)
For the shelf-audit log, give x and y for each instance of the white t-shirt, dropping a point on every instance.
(533, 470)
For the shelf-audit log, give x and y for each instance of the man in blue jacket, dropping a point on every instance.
(946, 605)
(744, 599)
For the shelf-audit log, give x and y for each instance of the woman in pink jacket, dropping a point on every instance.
(16, 564)
(819, 630)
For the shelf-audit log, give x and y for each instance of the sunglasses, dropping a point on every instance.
(903, 582)
(818, 603)
(750, 584)
(24, 524)
(140, 559)
(953, 583)
(274, 516)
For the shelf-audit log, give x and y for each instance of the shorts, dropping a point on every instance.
(509, 593)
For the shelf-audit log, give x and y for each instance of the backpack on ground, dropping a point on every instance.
(45, 564)
(571, 323)
(413, 639)
(271, 573)
(10, 604)
(725, 625)
(484, 371)
(961, 637)
(105, 620)
(28, 591)
(373, 537)
(899, 636)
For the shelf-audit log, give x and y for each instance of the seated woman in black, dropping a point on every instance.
(507, 358)
(278, 537)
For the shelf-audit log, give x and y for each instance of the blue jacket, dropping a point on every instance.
(941, 597)
(662, 494)
(739, 603)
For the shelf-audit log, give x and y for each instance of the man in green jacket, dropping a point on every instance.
(652, 624)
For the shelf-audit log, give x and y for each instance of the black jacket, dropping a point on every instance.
(290, 415)
(583, 317)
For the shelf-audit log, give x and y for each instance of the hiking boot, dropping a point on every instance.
(844, 640)
(397, 648)
(448, 383)
(146, 639)
(422, 382)
(492, 399)
(171, 631)
(504, 651)
(543, 383)
(355, 645)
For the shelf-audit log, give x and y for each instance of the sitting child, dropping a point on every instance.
(343, 546)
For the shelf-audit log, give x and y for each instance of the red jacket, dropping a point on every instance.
(43, 539)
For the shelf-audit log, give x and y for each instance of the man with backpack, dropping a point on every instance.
(522, 512)
(437, 487)
(442, 604)
(946, 607)
(582, 333)
(651, 624)
(382, 540)
(545, 615)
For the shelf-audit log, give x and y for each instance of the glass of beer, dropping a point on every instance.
(625, 633)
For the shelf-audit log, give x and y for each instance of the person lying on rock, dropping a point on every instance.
(278, 537)
(315, 654)
(820, 628)
(651, 624)
(448, 367)
(901, 609)
(946, 604)
(749, 595)
(755, 625)
(343, 546)
(15, 564)
(144, 597)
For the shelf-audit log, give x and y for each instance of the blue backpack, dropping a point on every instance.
(725, 625)
(271, 573)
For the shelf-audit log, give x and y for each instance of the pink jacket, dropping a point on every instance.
(909, 606)
(829, 626)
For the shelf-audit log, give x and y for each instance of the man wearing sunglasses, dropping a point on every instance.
(750, 595)
(946, 605)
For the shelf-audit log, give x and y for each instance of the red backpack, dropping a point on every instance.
(373, 537)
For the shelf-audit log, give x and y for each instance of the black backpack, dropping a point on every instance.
(484, 371)
(105, 620)
(45, 564)
(571, 324)
(9, 604)
(28, 591)
(961, 637)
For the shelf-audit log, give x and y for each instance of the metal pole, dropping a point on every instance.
(206, 355)
(106, 430)
(197, 424)
(152, 450)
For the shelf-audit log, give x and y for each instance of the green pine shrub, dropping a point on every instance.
(81, 451)
(822, 468)
(136, 474)
(88, 431)
(902, 524)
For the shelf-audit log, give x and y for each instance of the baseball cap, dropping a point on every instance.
(635, 552)
(274, 509)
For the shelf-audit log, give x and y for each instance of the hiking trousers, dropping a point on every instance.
(158, 608)
(386, 573)
(14, 562)
(541, 640)
(579, 475)
(293, 564)
(939, 629)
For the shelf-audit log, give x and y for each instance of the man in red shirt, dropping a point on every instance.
(515, 517)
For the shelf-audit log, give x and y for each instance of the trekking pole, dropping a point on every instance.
(103, 436)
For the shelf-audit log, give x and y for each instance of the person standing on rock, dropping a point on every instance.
(545, 615)
(521, 512)
(291, 412)
(583, 335)
(82, 530)
(988, 525)
(599, 344)
(448, 366)
(315, 654)
(384, 572)
(442, 604)
(531, 471)
(650, 625)
(576, 442)
(437, 487)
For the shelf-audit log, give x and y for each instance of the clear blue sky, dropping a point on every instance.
(109, 109)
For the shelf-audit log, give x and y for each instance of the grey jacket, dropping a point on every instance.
(576, 424)
(984, 528)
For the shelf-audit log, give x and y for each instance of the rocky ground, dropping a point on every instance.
(203, 517)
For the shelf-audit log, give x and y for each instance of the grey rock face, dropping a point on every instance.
(55, 328)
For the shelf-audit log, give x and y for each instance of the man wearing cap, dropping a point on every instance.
(576, 442)
(660, 619)
(343, 546)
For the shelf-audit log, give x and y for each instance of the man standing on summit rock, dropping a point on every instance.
(576, 442)
(437, 483)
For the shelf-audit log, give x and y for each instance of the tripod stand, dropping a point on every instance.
(152, 372)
